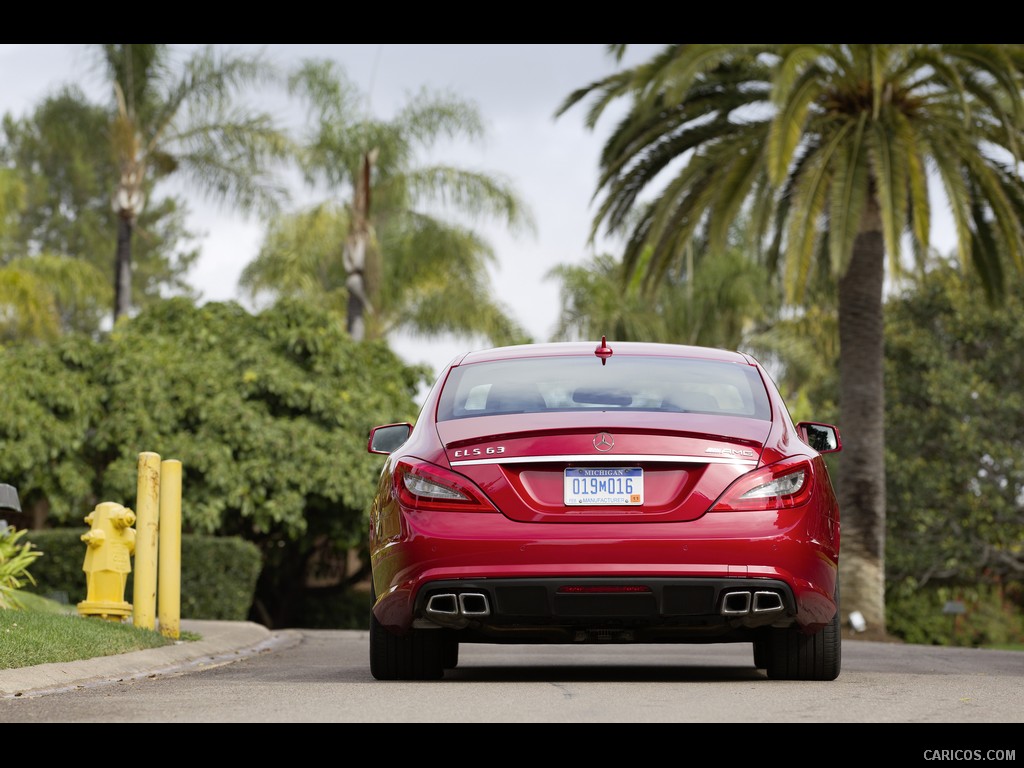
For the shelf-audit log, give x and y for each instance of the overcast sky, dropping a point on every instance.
(552, 163)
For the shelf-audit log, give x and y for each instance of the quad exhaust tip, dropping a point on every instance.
(450, 605)
(473, 604)
(742, 602)
(447, 605)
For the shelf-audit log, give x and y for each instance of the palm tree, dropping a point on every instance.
(717, 303)
(596, 301)
(829, 149)
(185, 122)
(301, 256)
(59, 157)
(385, 202)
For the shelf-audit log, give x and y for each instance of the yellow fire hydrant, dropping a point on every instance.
(108, 561)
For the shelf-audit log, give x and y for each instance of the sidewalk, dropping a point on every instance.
(222, 643)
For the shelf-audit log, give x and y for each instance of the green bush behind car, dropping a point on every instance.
(218, 573)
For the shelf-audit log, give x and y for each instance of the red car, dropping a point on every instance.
(617, 493)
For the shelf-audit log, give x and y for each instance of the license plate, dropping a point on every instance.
(591, 486)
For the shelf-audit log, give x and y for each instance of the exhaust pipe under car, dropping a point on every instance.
(742, 602)
(736, 603)
(451, 609)
(443, 605)
(767, 602)
(473, 604)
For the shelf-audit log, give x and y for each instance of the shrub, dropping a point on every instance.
(15, 559)
(991, 614)
(218, 573)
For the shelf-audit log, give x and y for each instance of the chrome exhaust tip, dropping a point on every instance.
(474, 604)
(767, 602)
(736, 603)
(450, 605)
(443, 605)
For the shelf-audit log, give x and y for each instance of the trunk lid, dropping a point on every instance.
(680, 462)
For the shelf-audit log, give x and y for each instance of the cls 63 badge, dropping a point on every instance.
(465, 453)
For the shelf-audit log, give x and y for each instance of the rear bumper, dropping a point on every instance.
(647, 582)
(646, 610)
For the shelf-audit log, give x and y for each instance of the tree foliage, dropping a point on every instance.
(956, 432)
(48, 295)
(800, 348)
(52, 404)
(60, 152)
(704, 301)
(59, 169)
(16, 557)
(268, 413)
(807, 135)
(827, 149)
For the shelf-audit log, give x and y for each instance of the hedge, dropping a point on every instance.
(218, 573)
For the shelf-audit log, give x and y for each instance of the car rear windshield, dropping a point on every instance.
(626, 383)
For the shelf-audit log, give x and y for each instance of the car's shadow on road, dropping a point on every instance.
(602, 674)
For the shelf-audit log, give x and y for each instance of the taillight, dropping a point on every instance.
(424, 486)
(782, 485)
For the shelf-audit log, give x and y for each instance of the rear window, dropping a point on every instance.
(625, 383)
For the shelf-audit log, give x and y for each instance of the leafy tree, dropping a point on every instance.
(268, 414)
(187, 122)
(47, 295)
(956, 436)
(28, 311)
(395, 229)
(299, 259)
(596, 302)
(800, 347)
(51, 405)
(701, 301)
(828, 149)
(12, 207)
(59, 158)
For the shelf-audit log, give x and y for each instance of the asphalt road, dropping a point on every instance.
(322, 676)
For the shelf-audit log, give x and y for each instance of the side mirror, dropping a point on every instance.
(824, 438)
(387, 438)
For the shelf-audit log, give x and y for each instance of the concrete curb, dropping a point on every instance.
(222, 642)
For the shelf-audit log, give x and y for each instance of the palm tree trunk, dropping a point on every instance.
(356, 320)
(861, 479)
(123, 268)
(355, 255)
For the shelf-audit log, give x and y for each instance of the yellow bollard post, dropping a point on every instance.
(169, 560)
(147, 519)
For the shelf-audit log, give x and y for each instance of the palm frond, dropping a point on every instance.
(471, 192)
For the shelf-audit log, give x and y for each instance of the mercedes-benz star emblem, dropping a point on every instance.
(604, 442)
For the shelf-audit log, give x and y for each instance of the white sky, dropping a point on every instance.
(517, 87)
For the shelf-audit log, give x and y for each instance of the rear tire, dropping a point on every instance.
(789, 654)
(762, 649)
(449, 650)
(416, 655)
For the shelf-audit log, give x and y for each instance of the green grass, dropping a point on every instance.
(45, 631)
(1006, 646)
